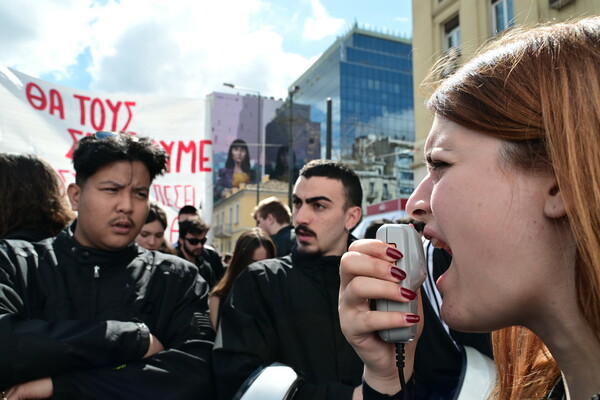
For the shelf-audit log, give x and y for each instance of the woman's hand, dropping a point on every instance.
(367, 273)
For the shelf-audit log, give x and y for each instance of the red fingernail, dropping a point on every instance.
(409, 294)
(398, 273)
(394, 253)
(412, 318)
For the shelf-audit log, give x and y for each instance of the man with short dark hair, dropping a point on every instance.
(186, 212)
(192, 238)
(275, 218)
(89, 314)
(208, 253)
(286, 309)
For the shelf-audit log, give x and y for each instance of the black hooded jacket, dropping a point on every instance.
(82, 316)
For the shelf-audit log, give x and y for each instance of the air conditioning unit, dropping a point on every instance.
(558, 4)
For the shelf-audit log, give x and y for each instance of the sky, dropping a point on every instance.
(183, 48)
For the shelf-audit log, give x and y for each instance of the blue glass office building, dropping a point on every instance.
(368, 76)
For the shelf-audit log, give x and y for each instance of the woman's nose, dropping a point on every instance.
(418, 205)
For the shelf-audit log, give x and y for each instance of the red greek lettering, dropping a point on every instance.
(114, 108)
(82, 100)
(74, 133)
(56, 104)
(169, 149)
(128, 105)
(97, 105)
(35, 96)
(183, 148)
(204, 161)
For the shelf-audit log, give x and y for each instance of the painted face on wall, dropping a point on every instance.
(238, 154)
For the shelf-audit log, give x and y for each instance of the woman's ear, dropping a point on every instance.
(554, 206)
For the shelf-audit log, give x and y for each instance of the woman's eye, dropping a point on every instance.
(437, 165)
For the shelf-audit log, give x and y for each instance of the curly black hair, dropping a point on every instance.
(94, 152)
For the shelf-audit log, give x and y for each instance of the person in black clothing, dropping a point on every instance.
(285, 309)
(212, 257)
(32, 199)
(274, 217)
(192, 238)
(208, 253)
(89, 314)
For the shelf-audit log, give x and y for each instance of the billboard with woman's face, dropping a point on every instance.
(247, 148)
(237, 171)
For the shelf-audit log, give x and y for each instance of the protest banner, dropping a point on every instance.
(48, 120)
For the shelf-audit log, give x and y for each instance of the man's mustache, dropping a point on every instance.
(305, 230)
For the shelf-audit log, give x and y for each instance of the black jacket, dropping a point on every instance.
(211, 256)
(284, 240)
(286, 310)
(82, 317)
(204, 268)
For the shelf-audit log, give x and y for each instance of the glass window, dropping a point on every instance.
(502, 15)
(406, 176)
(452, 34)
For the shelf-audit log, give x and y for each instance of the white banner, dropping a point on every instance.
(47, 119)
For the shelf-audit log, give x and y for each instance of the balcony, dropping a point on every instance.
(222, 231)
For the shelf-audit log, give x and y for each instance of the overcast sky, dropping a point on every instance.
(182, 48)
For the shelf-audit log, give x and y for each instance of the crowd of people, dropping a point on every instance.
(95, 304)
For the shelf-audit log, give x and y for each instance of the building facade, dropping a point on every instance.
(232, 216)
(457, 28)
(235, 117)
(306, 143)
(368, 77)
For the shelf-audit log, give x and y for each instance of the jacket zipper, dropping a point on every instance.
(96, 286)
